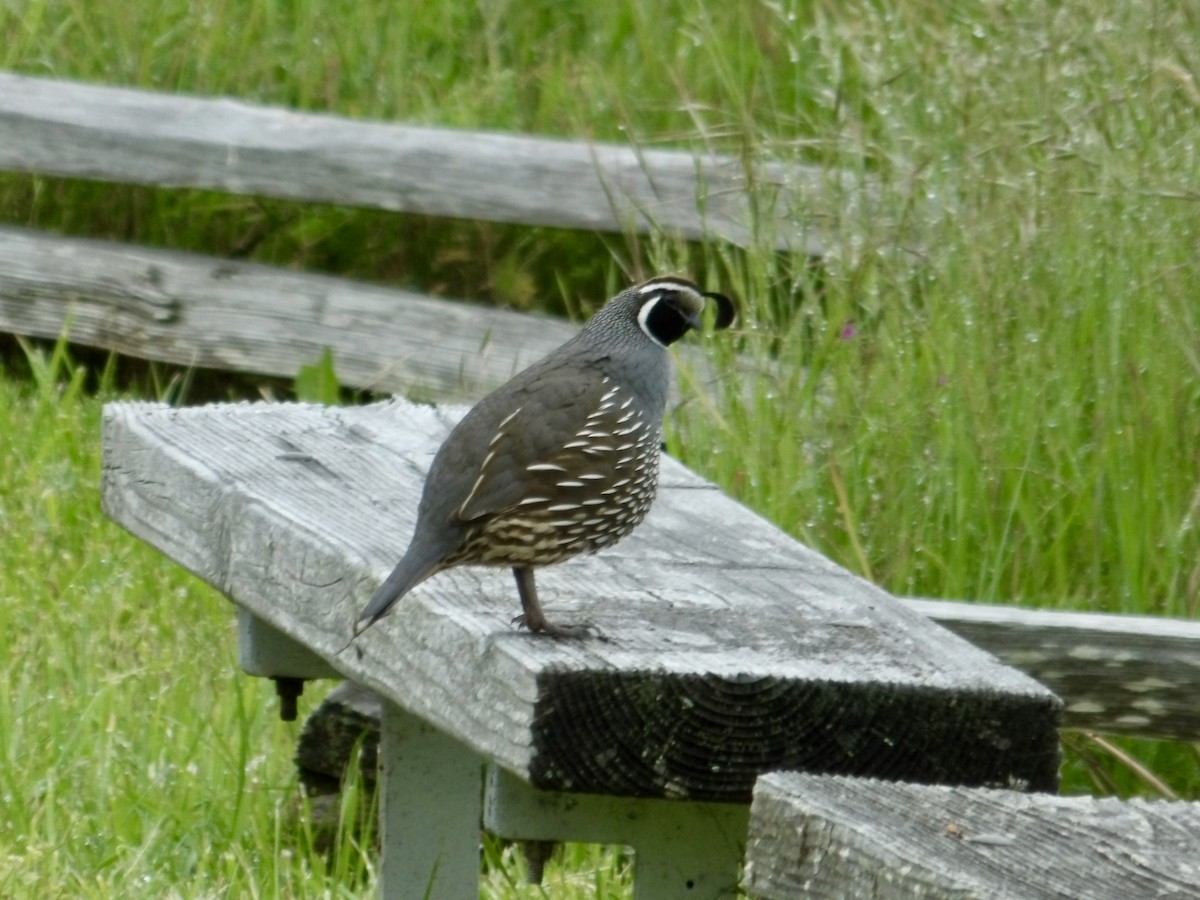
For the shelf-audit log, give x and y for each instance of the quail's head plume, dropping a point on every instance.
(560, 460)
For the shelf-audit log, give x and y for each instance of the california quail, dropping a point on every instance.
(562, 459)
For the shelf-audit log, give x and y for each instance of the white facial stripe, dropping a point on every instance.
(677, 286)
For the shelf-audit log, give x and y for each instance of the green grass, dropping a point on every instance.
(1002, 403)
(136, 760)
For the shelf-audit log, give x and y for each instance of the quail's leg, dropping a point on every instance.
(532, 617)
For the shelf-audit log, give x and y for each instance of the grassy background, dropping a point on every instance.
(1003, 405)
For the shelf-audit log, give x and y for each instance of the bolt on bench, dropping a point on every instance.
(726, 649)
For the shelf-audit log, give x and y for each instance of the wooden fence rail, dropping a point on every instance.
(141, 137)
(194, 310)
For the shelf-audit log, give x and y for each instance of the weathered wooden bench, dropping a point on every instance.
(823, 836)
(727, 649)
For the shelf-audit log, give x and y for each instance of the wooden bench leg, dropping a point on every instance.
(681, 849)
(688, 854)
(430, 811)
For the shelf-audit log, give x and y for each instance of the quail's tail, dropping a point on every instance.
(409, 572)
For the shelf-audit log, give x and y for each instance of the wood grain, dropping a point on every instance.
(1117, 674)
(1137, 675)
(821, 837)
(727, 648)
(142, 137)
(194, 310)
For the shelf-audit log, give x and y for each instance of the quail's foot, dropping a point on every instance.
(574, 631)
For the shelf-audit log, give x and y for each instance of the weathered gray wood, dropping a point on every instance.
(118, 134)
(268, 653)
(196, 310)
(828, 837)
(728, 649)
(429, 817)
(1120, 674)
(691, 850)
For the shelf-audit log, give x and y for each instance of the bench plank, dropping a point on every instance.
(817, 837)
(142, 137)
(728, 649)
(1118, 674)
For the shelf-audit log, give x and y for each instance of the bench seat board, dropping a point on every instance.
(818, 837)
(726, 648)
